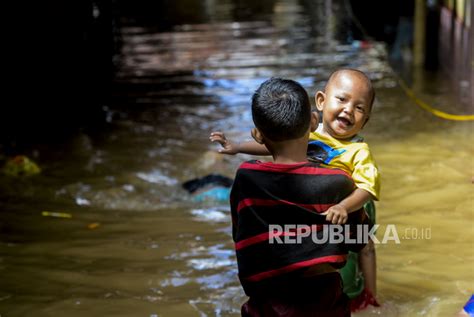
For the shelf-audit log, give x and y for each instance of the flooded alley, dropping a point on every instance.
(136, 244)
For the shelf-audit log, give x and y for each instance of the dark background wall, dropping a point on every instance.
(62, 55)
(57, 69)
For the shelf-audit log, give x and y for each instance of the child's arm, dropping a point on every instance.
(229, 147)
(338, 214)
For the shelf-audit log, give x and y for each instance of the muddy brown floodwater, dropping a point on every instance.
(154, 252)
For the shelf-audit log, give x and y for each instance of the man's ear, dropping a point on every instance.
(257, 135)
(319, 98)
(314, 121)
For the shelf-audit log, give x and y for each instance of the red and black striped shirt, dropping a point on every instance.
(265, 194)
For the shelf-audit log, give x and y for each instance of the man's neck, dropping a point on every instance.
(289, 152)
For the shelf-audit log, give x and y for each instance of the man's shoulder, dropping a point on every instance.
(308, 169)
(249, 164)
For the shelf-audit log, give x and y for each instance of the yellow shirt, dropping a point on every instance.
(351, 156)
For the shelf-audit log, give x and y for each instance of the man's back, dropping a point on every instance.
(269, 195)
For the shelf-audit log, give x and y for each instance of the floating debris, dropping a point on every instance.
(93, 225)
(20, 165)
(56, 214)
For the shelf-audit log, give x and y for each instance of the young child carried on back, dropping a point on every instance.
(285, 278)
(346, 104)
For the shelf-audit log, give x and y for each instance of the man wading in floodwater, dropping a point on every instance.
(288, 279)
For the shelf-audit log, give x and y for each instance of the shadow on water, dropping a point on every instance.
(137, 246)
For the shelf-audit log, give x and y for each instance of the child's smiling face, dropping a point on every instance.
(346, 104)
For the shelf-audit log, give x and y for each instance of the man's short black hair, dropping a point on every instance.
(281, 109)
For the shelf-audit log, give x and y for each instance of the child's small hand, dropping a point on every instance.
(228, 146)
(336, 214)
